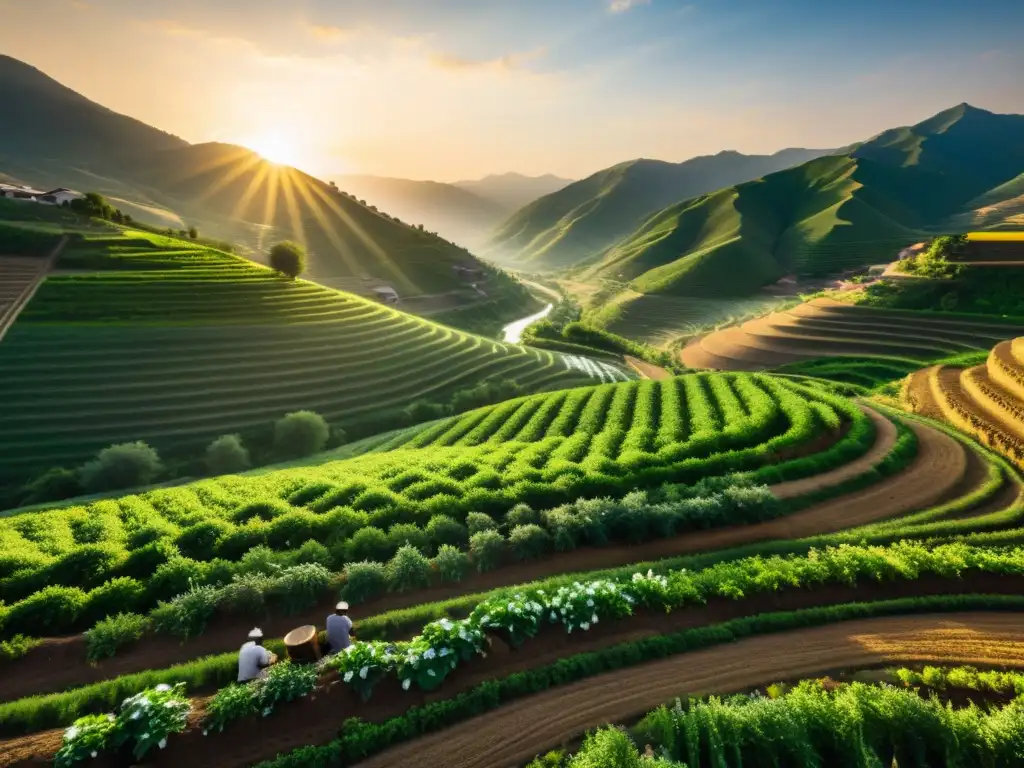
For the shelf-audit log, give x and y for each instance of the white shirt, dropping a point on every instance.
(250, 658)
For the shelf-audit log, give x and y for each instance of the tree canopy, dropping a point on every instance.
(288, 258)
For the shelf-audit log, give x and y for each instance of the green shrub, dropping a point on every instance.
(487, 549)
(520, 514)
(407, 533)
(109, 634)
(246, 595)
(369, 544)
(187, 614)
(175, 577)
(444, 530)
(148, 718)
(17, 646)
(261, 559)
(227, 455)
(477, 522)
(312, 551)
(288, 258)
(200, 541)
(230, 703)
(143, 562)
(299, 587)
(608, 747)
(529, 542)
(452, 563)
(125, 465)
(55, 484)
(364, 581)
(115, 596)
(88, 736)
(51, 611)
(285, 682)
(300, 434)
(409, 569)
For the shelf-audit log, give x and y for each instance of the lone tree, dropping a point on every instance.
(227, 455)
(288, 258)
(300, 434)
(121, 466)
(193, 233)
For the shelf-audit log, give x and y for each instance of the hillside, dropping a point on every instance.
(175, 344)
(514, 190)
(455, 213)
(60, 138)
(580, 221)
(827, 215)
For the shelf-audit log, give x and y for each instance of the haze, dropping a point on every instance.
(456, 89)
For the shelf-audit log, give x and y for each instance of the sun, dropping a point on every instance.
(274, 147)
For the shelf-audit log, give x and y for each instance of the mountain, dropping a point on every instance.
(53, 136)
(828, 214)
(578, 222)
(513, 190)
(454, 213)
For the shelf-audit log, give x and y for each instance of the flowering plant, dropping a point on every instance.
(284, 682)
(150, 716)
(583, 605)
(519, 615)
(87, 737)
(363, 664)
(651, 590)
(430, 657)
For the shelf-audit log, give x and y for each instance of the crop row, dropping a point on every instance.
(426, 660)
(956, 406)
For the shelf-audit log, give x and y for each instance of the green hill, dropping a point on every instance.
(143, 337)
(826, 215)
(580, 221)
(57, 137)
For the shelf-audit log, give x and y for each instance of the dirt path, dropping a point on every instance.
(928, 480)
(9, 312)
(513, 734)
(885, 439)
(647, 370)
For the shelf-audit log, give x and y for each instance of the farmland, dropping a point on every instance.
(142, 337)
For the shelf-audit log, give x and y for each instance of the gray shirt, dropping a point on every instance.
(338, 629)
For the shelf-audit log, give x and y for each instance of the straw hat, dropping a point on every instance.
(342, 606)
(255, 633)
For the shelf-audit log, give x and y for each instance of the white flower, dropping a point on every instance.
(429, 653)
(348, 676)
(590, 603)
(593, 619)
(445, 652)
(267, 711)
(363, 672)
(584, 627)
(206, 733)
(110, 717)
(431, 673)
(163, 687)
(71, 733)
(172, 704)
(163, 743)
(350, 648)
(143, 737)
(406, 684)
(445, 624)
(554, 616)
(94, 753)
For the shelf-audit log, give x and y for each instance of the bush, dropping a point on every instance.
(231, 703)
(109, 634)
(245, 595)
(407, 533)
(486, 548)
(300, 586)
(55, 484)
(424, 410)
(444, 530)
(115, 596)
(364, 581)
(175, 577)
(227, 455)
(121, 466)
(200, 541)
(148, 718)
(520, 514)
(186, 615)
(452, 563)
(288, 258)
(369, 544)
(312, 551)
(285, 682)
(478, 521)
(300, 434)
(17, 646)
(528, 542)
(51, 611)
(408, 570)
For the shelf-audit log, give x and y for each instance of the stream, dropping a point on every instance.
(513, 332)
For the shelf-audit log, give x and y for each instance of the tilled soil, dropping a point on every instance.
(316, 720)
(515, 733)
(928, 480)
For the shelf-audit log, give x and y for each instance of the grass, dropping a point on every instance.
(172, 343)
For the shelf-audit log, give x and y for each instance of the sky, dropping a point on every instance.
(458, 89)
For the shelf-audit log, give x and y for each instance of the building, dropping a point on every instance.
(385, 294)
(57, 196)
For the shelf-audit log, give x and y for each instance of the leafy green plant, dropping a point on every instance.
(364, 581)
(85, 739)
(230, 703)
(285, 681)
(487, 549)
(408, 570)
(529, 541)
(18, 646)
(146, 719)
(186, 615)
(363, 664)
(113, 632)
(452, 564)
(477, 522)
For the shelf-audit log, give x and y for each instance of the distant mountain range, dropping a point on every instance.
(513, 190)
(586, 217)
(51, 135)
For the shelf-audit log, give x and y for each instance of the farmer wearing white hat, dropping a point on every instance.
(339, 629)
(253, 658)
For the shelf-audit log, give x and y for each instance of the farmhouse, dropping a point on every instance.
(57, 196)
(385, 294)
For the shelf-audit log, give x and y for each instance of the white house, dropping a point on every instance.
(54, 197)
(59, 196)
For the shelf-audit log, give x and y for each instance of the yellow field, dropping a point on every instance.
(1003, 236)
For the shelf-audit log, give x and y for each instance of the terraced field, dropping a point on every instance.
(761, 506)
(140, 337)
(827, 328)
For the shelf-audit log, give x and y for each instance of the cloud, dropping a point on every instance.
(621, 6)
(509, 63)
(328, 33)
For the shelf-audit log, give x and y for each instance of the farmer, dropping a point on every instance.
(253, 658)
(339, 629)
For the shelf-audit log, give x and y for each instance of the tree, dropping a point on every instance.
(121, 466)
(93, 204)
(300, 434)
(288, 258)
(53, 485)
(193, 233)
(227, 455)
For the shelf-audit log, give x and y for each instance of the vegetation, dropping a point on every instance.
(935, 261)
(288, 258)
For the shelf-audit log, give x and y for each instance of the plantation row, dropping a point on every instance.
(176, 344)
(823, 328)
(429, 658)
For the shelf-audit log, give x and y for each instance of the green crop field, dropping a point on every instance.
(156, 339)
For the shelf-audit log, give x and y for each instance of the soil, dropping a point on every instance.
(647, 370)
(515, 733)
(60, 662)
(316, 720)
